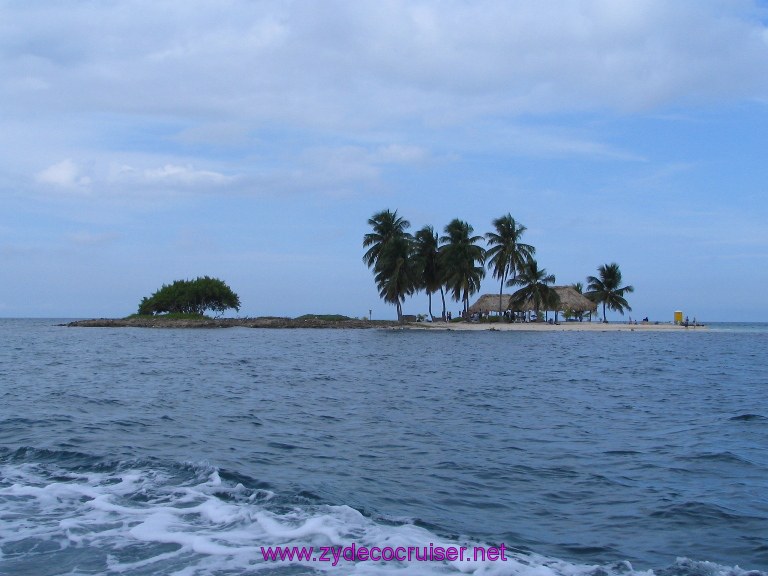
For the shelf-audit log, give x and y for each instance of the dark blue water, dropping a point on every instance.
(130, 451)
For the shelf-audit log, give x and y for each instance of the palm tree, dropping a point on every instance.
(535, 288)
(507, 255)
(396, 272)
(389, 253)
(459, 257)
(579, 287)
(426, 252)
(606, 289)
(386, 225)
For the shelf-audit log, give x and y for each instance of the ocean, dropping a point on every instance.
(198, 452)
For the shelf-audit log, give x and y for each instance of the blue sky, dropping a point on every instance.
(145, 142)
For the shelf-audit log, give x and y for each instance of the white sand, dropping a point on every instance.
(544, 327)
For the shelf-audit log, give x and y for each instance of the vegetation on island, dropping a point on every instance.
(535, 287)
(324, 317)
(403, 264)
(190, 298)
(314, 321)
(606, 290)
(463, 261)
(507, 254)
(391, 254)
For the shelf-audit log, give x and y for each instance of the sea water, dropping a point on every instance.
(140, 451)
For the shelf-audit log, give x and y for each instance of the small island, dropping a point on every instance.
(184, 303)
(186, 321)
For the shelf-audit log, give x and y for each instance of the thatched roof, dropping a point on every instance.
(490, 303)
(569, 298)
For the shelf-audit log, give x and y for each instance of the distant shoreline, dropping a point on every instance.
(546, 327)
(293, 323)
(261, 322)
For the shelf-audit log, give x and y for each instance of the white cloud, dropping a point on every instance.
(185, 176)
(65, 174)
(114, 179)
(170, 175)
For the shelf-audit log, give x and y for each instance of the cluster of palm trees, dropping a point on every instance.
(403, 264)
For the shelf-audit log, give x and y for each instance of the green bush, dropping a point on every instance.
(190, 297)
(328, 317)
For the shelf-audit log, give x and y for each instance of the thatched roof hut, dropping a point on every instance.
(490, 303)
(569, 298)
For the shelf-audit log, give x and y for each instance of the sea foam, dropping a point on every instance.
(137, 518)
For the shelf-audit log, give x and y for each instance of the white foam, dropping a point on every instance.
(142, 519)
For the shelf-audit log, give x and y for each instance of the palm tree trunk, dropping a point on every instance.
(512, 313)
(501, 290)
(399, 312)
(429, 294)
(604, 318)
(442, 295)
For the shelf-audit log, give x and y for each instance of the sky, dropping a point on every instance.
(144, 142)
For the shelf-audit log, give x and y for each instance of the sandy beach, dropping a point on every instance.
(545, 327)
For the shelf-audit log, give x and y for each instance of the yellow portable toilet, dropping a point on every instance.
(678, 317)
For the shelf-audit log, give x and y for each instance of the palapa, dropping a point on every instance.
(490, 303)
(569, 299)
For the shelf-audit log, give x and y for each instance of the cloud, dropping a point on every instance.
(368, 62)
(549, 142)
(342, 170)
(65, 174)
(170, 176)
(221, 135)
(184, 175)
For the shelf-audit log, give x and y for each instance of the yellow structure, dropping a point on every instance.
(678, 317)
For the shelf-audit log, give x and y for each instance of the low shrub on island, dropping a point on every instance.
(325, 317)
(191, 297)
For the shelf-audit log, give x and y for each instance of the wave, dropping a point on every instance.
(86, 514)
(748, 418)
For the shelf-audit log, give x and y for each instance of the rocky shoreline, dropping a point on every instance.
(261, 322)
(351, 323)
